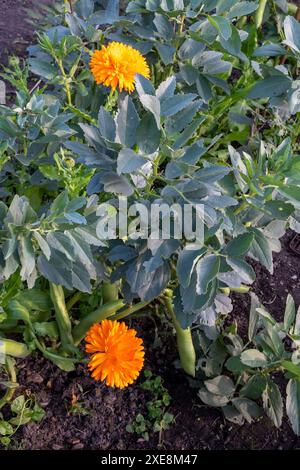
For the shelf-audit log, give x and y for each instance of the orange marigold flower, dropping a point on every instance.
(117, 354)
(116, 65)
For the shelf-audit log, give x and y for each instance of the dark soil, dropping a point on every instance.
(196, 426)
(16, 32)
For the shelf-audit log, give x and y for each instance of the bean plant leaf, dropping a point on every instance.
(272, 402)
(293, 404)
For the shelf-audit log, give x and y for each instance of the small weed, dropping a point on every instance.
(157, 418)
(24, 409)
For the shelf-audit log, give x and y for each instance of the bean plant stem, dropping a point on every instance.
(62, 316)
(259, 14)
(13, 378)
(66, 81)
(130, 310)
(184, 339)
(73, 300)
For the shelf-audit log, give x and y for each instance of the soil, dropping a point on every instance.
(109, 411)
(16, 31)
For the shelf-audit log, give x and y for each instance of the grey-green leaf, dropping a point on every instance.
(293, 404)
(272, 402)
(221, 385)
(254, 358)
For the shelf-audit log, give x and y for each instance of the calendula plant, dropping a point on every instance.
(178, 103)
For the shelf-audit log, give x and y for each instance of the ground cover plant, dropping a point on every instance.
(181, 103)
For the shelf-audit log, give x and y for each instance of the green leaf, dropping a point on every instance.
(279, 209)
(147, 134)
(152, 104)
(261, 250)
(240, 245)
(243, 269)
(64, 363)
(254, 387)
(253, 317)
(272, 403)
(187, 260)
(207, 269)
(46, 329)
(248, 408)
(291, 367)
(292, 33)
(235, 365)
(18, 311)
(42, 244)
(290, 313)
(34, 299)
(176, 103)
(163, 26)
(271, 86)
(221, 385)
(62, 243)
(127, 122)
(233, 44)
(242, 9)
(106, 125)
(292, 192)
(254, 358)
(42, 68)
(5, 428)
(293, 404)
(18, 404)
(222, 25)
(269, 50)
(129, 161)
(211, 399)
(86, 8)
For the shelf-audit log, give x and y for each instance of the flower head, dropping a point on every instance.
(117, 354)
(116, 65)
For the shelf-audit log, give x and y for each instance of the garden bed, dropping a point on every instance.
(109, 411)
(82, 414)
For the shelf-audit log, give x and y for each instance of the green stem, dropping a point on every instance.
(241, 208)
(241, 290)
(73, 300)
(259, 14)
(184, 340)
(13, 378)
(62, 316)
(130, 310)
(66, 81)
(81, 114)
(111, 100)
(107, 310)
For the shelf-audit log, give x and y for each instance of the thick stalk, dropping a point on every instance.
(241, 290)
(130, 310)
(184, 341)
(62, 316)
(73, 300)
(97, 316)
(259, 14)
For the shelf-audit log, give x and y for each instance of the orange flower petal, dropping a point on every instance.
(117, 64)
(117, 353)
